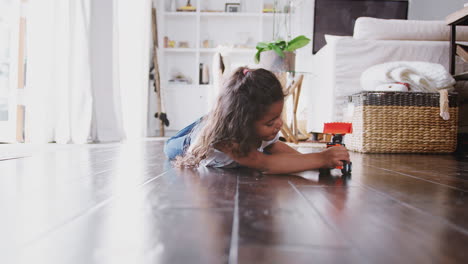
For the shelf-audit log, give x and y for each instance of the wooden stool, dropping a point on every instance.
(291, 133)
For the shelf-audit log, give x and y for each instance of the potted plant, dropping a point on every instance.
(279, 55)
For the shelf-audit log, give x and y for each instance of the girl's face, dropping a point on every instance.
(270, 124)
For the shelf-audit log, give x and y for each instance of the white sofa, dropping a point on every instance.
(337, 67)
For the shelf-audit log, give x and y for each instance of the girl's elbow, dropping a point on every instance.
(256, 162)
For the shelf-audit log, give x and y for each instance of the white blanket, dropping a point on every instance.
(421, 76)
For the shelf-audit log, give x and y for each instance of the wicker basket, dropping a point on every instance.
(399, 122)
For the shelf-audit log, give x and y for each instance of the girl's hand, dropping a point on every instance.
(334, 156)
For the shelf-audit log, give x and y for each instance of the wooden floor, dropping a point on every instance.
(123, 203)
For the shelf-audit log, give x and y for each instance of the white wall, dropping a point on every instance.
(433, 9)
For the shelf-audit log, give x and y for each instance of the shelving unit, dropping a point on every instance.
(458, 18)
(241, 30)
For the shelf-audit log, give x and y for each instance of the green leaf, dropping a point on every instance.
(262, 45)
(277, 50)
(257, 55)
(280, 42)
(297, 43)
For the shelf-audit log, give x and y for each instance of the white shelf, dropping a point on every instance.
(206, 50)
(179, 50)
(180, 86)
(273, 14)
(226, 14)
(219, 14)
(177, 14)
(233, 50)
(176, 85)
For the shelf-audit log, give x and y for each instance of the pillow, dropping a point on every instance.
(398, 29)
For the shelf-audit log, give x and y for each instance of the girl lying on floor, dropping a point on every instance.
(243, 130)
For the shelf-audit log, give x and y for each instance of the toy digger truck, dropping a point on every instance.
(338, 130)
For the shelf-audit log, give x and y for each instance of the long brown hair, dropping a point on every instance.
(245, 97)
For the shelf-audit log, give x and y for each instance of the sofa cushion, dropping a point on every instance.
(397, 29)
(332, 38)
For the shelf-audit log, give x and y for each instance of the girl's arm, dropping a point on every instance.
(281, 163)
(281, 147)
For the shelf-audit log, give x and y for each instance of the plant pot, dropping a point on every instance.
(271, 61)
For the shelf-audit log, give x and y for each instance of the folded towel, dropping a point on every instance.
(391, 87)
(421, 77)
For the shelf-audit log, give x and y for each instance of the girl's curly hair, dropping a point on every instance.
(245, 97)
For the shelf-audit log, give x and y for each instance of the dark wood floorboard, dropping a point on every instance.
(380, 227)
(422, 191)
(442, 169)
(278, 223)
(57, 187)
(124, 203)
(179, 217)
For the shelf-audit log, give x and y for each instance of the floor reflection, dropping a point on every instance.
(126, 204)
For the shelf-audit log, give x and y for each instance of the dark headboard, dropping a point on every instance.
(337, 17)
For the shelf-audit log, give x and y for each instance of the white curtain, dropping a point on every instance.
(134, 39)
(74, 71)
(58, 91)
